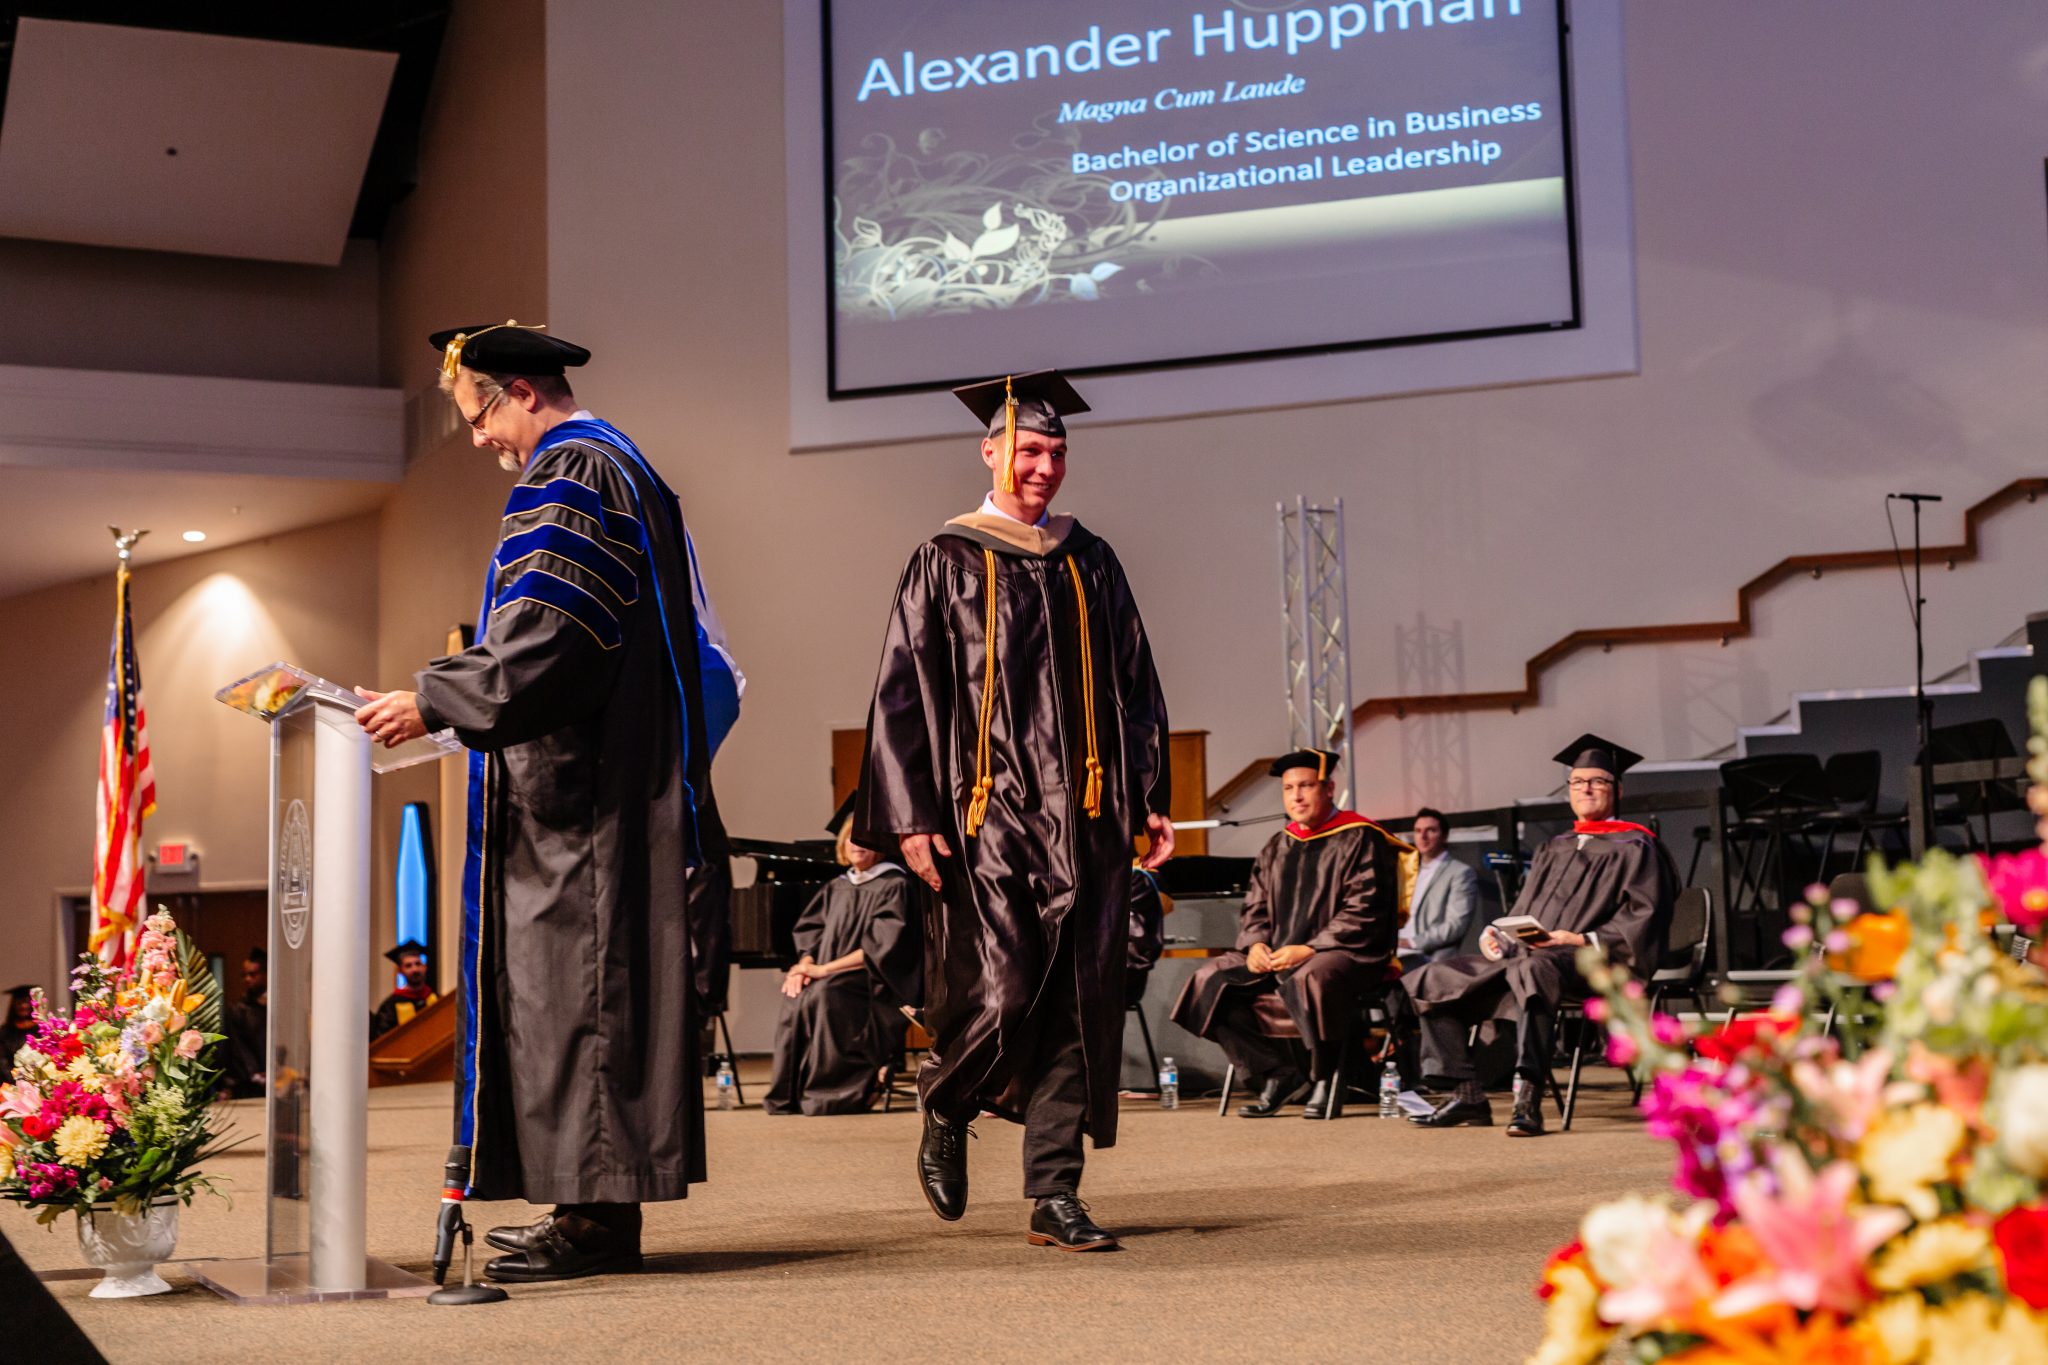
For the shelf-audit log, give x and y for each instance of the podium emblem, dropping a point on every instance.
(295, 873)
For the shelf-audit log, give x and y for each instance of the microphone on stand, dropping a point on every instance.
(454, 1177)
(1912, 497)
(451, 1225)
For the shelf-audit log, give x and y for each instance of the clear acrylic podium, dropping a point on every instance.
(316, 1058)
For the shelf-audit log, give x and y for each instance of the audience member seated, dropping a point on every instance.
(399, 1007)
(1148, 934)
(1445, 900)
(246, 1023)
(1318, 930)
(1607, 882)
(852, 990)
(19, 1023)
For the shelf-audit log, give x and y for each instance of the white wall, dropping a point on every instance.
(1840, 219)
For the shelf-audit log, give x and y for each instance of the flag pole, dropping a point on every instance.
(113, 929)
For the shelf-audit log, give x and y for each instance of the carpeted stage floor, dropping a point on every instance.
(1359, 1240)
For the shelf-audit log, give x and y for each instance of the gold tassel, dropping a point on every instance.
(1008, 483)
(984, 781)
(1091, 791)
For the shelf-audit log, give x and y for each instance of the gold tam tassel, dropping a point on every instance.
(984, 781)
(1008, 482)
(451, 354)
(1091, 793)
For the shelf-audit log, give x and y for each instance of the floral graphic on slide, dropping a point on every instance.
(924, 235)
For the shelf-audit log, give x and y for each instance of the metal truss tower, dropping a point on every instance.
(1316, 620)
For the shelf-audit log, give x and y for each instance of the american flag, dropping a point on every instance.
(127, 795)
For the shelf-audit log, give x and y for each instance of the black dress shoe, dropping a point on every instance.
(1454, 1111)
(942, 1165)
(1274, 1096)
(1061, 1220)
(1528, 1119)
(517, 1237)
(1326, 1101)
(620, 1219)
(566, 1246)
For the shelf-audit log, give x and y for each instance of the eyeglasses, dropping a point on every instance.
(1590, 784)
(477, 422)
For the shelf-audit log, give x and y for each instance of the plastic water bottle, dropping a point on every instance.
(1390, 1089)
(1169, 1084)
(726, 1098)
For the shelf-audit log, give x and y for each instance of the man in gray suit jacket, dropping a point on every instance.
(1446, 896)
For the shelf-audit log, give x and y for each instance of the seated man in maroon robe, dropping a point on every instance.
(1608, 881)
(1320, 918)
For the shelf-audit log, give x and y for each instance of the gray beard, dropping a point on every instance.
(509, 463)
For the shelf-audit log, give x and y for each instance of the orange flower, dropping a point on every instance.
(1823, 1339)
(1876, 943)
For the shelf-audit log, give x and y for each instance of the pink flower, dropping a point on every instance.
(2019, 883)
(1667, 1029)
(1815, 1248)
(1596, 1009)
(152, 1034)
(175, 1022)
(1852, 1093)
(19, 1101)
(1673, 1283)
(106, 1183)
(189, 1043)
(1622, 1050)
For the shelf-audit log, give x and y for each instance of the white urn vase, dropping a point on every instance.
(127, 1247)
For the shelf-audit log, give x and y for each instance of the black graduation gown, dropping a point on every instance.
(1619, 887)
(1337, 889)
(836, 1035)
(579, 1079)
(386, 1016)
(1041, 870)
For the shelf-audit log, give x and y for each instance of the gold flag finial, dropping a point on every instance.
(124, 542)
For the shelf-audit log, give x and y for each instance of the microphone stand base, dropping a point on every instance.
(468, 1293)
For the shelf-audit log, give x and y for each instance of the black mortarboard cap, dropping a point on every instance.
(1322, 760)
(506, 348)
(1591, 751)
(1043, 398)
(840, 816)
(17, 990)
(411, 945)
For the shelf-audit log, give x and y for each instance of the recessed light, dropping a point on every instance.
(194, 537)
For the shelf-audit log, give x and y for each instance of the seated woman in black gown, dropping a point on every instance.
(848, 998)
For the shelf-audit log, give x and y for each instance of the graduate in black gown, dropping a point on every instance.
(591, 703)
(1608, 881)
(861, 946)
(1321, 916)
(1016, 746)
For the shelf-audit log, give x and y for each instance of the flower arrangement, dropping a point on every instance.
(1863, 1166)
(110, 1106)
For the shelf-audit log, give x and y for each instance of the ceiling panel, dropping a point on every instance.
(58, 519)
(170, 141)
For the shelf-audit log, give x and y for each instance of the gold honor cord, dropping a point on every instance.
(1091, 797)
(977, 805)
(451, 354)
(1009, 479)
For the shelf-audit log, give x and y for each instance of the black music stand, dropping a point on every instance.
(1774, 797)
(1973, 741)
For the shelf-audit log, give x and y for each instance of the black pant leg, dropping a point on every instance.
(1444, 1053)
(1535, 1034)
(1056, 1115)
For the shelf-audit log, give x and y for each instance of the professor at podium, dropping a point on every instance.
(583, 703)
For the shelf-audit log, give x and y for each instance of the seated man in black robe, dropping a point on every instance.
(399, 1007)
(1318, 928)
(1608, 881)
(846, 1001)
